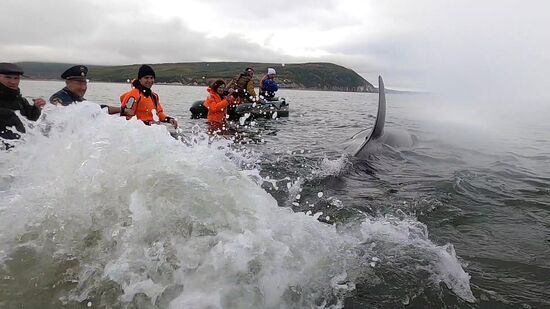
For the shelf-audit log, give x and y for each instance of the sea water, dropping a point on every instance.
(98, 211)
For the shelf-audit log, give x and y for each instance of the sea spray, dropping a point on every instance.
(124, 211)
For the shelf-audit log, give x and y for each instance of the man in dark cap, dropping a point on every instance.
(146, 70)
(76, 84)
(11, 100)
(142, 102)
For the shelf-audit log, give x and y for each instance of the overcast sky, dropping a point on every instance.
(441, 45)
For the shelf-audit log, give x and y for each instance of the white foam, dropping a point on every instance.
(329, 167)
(139, 208)
(403, 233)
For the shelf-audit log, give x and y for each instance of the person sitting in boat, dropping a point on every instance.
(11, 100)
(243, 85)
(76, 84)
(268, 86)
(217, 103)
(142, 102)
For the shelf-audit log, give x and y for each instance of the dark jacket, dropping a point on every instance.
(65, 97)
(11, 101)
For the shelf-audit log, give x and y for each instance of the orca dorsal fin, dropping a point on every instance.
(378, 129)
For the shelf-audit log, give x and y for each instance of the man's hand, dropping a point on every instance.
(230, 99)
(174, 122)
(39, 102)
(113, 110)
(129, 112)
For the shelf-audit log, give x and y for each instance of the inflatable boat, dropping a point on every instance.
(267, 109)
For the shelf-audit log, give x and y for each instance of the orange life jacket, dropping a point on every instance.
(217, 107)
(143, 106)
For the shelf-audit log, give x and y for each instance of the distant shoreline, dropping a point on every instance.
(319, 76)
(389, 91)
(179, 84)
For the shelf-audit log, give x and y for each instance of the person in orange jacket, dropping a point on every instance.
(142, 102)
(217, 104)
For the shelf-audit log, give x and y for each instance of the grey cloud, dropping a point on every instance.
(99, 32)
(173, 42)
(488, 46)
(490, 50)
(46, 22)
(284, 14)
(106, 39)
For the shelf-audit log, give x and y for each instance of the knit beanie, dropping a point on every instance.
(145, 70)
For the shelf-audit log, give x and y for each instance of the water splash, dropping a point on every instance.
(117, 211)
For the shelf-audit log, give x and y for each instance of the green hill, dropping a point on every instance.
(320, 76)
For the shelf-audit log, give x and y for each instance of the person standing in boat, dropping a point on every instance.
(11, 100)
(268, 86)
(243, 85)
(142, 102)
(76, 84)
(217, 104)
